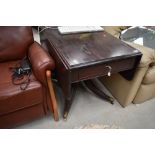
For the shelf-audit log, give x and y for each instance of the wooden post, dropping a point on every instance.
(52, 95)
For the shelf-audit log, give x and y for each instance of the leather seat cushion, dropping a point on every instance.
(12, 98)
(149, 77)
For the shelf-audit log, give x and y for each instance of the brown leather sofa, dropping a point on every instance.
(20, 106)
(142, 86)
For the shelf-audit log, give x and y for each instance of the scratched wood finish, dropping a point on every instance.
(84, 49)
(85, 56)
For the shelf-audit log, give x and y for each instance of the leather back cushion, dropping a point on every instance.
(115, 30)
(14, 42)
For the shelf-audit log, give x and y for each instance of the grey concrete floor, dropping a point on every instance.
(87, 109)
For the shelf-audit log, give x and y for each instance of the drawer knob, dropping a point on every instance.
(109, 72)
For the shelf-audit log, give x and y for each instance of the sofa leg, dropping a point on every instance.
(52, 95)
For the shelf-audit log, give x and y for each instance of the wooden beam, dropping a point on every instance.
(52, 95)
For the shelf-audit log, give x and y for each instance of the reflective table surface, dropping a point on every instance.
(140, 35)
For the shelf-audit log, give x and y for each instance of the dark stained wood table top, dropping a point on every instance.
(85, 56)
(77, 50)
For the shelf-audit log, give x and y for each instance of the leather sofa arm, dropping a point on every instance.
(40, 61)
(148, 58)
